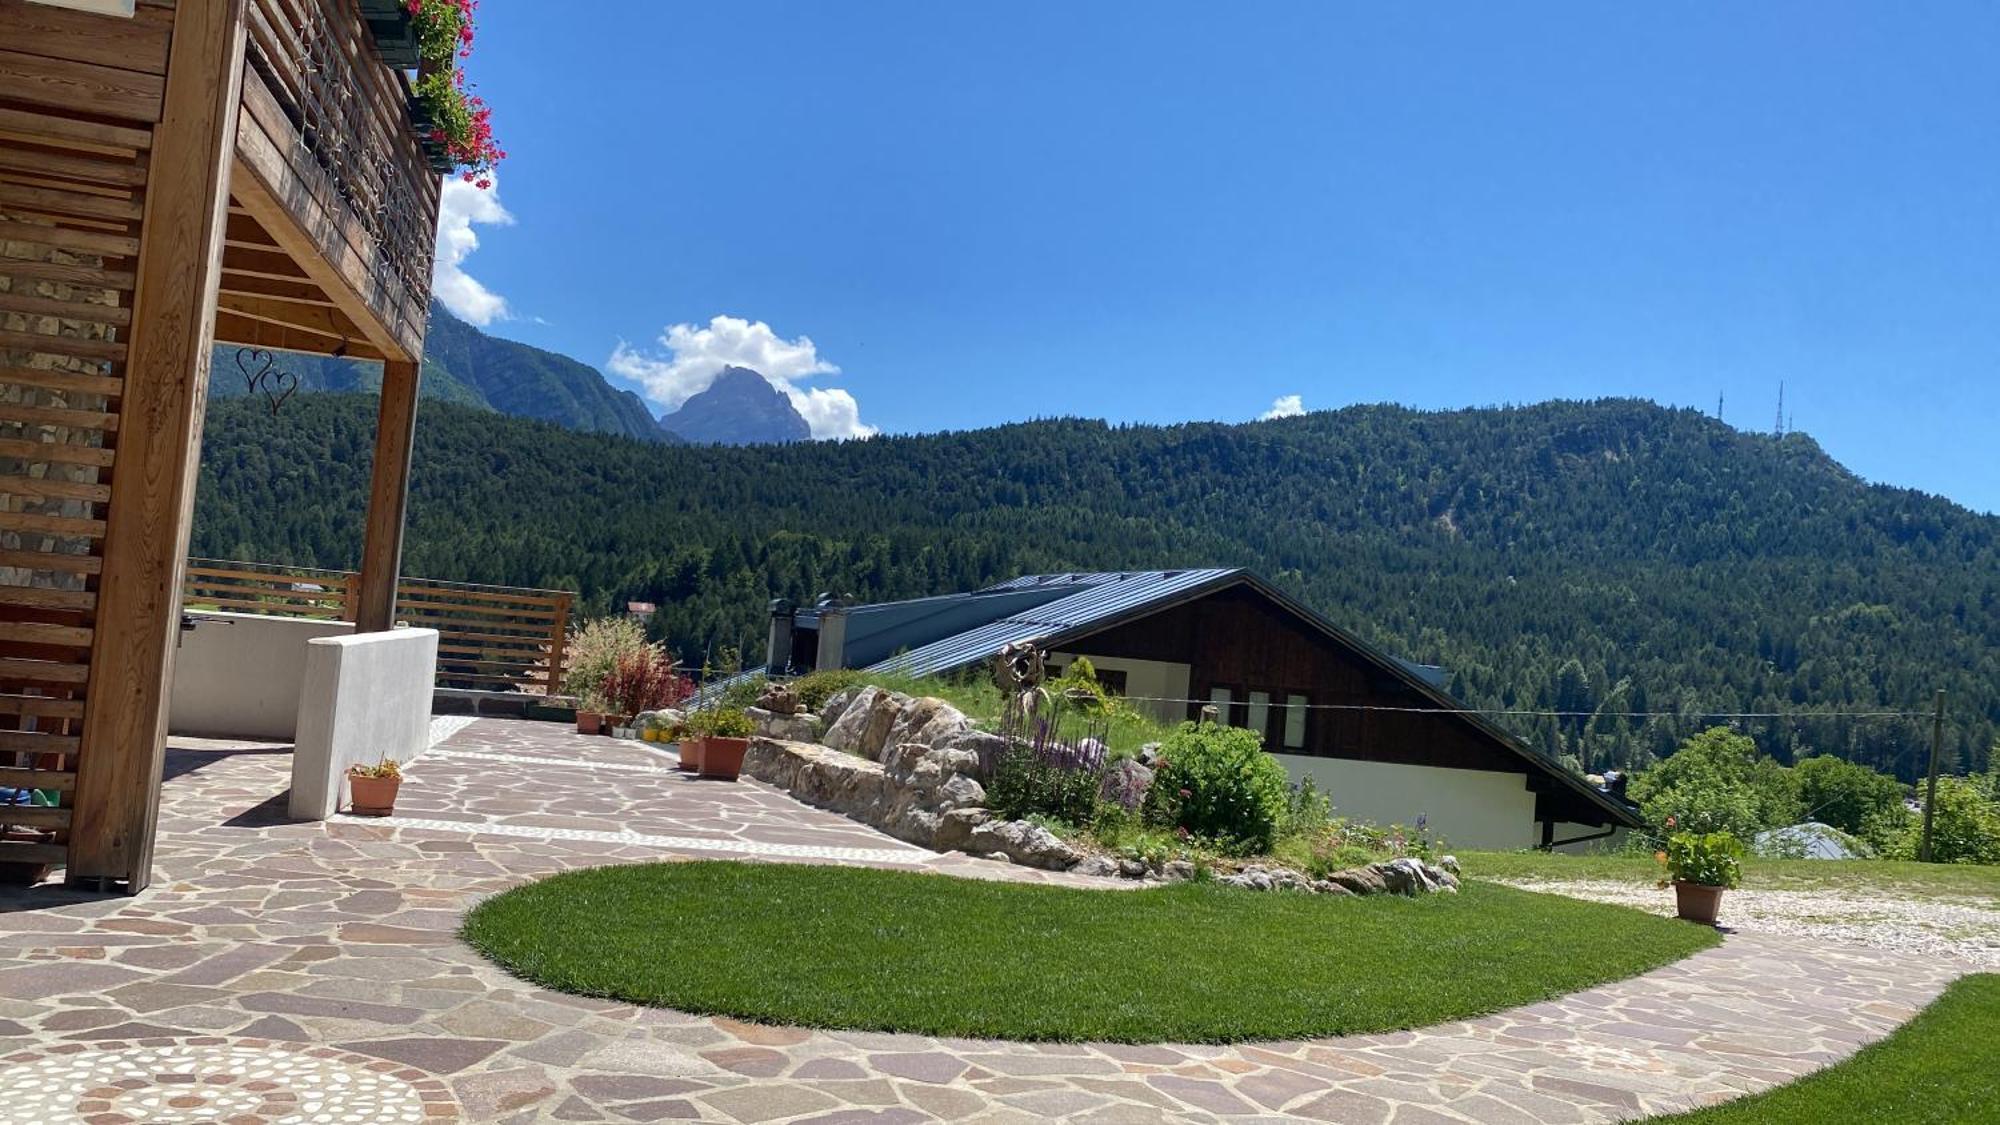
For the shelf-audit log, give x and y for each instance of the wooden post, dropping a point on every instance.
(1930, 788)
(388, 498)
(558, 638)
(159, 450)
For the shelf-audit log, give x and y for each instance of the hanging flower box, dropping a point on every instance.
(437, 154)
(395, 34)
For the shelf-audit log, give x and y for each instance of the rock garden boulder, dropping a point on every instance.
(1029, 845)
(801, 726)
(864, 723)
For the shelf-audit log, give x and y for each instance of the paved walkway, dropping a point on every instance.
(279, 971)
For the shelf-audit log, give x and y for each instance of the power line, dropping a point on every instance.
(1519, 713)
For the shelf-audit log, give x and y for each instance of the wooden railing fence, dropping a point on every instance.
(493, 638)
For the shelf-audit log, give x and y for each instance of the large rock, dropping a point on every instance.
(821, 776)
(1404, 876)
(881, 719)
(1029, 845)
(836, 704)
(929, 720)
(1125, 783)
(847, 717)
(986, 746)
(930, 798)
(802, 726)
(864, 722)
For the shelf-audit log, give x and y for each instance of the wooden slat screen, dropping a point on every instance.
(77, 101)
(491, 638)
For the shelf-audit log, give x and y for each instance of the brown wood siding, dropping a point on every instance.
(78, 98)
(1239, 639)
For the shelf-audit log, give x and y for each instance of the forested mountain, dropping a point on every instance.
(1603, 557)
(466, 366)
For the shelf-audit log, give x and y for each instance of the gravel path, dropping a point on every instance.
(1967, 929)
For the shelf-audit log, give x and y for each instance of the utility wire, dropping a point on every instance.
(1280, 706)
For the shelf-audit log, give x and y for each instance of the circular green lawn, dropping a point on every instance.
(844, 947)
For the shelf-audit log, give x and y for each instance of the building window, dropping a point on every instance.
(1221, 699)
(1111, 681)
(1260, 715)
(1295, 722)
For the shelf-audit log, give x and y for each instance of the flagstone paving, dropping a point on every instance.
(308, 972)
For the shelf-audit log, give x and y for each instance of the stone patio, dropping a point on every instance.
(309, 972)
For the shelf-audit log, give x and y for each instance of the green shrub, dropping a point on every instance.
(1055, 783)
(1717, 782)
(815, 688)
(1217, 783)
(743, 693)
(1852, 798)
(1965, 826)
(1308, 811)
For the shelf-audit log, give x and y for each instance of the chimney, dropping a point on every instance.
(778, 650)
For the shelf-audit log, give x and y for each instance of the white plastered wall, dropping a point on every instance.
(1480, 809)
(367, 697)
(1147, 679)
(239, 675)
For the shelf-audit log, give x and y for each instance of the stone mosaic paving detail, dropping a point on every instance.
(666, 843)
(243, 1082)
(335, 942)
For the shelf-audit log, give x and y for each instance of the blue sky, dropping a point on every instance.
(1165, 211)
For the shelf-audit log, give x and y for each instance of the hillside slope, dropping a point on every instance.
(1603, 557)
(467, 367)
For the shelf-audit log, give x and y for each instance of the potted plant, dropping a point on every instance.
(722, 747)
(374, 787)
(1701, 865)
(590, 707)
(594, 649)
(641, 680)
(694, 733)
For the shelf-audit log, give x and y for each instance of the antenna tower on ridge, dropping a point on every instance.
(1778, 428)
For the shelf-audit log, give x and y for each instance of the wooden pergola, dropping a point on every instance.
(175, 175)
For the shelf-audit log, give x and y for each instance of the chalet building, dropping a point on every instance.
(1380, 735)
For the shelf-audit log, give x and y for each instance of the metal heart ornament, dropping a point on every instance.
(263, 361)
(286, 380)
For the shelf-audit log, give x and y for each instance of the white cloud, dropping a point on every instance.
(1284, 406)
(460, 205)
(695, 355)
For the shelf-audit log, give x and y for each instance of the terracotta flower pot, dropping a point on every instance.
(373, 796)
(723, 757)
(1697, 902)
(690, 752)
(587, 722)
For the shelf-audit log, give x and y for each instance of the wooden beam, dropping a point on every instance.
(320, 321)
(152, 493)
(388, 498)
(245, 331)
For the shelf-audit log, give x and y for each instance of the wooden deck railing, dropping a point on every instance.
(326, 128)
(493, 638)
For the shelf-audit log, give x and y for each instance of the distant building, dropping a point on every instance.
(640, 611)
(1380, 735)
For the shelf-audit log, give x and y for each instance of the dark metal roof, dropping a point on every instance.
(1100, 599)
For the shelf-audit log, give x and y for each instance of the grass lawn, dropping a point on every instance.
(1909, 880)
(1936, 1069)
(843, 947)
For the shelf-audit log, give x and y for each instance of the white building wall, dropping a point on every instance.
(240, 675)
(1144, 679)
(1473, 809)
